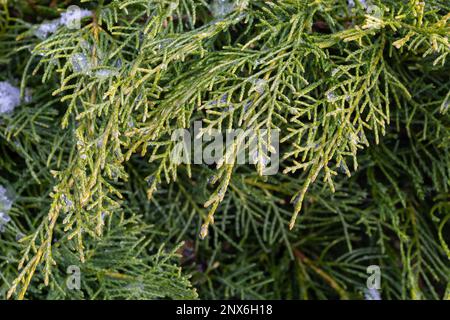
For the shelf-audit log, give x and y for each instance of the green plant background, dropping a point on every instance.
(359, 93)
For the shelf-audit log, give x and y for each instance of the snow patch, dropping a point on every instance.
(71, 19)
(5, 206)
(9, 98)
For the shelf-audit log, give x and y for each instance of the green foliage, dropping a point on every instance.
(359, 95)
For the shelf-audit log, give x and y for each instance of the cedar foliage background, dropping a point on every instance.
(359, 93)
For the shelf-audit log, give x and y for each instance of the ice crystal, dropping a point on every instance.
(105, 73)
(70, 19)
(331, 97)
(80, 63)
(260, 85)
